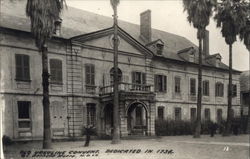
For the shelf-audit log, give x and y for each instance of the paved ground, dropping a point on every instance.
(172, 147)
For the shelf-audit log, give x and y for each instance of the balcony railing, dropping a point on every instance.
(126, 87)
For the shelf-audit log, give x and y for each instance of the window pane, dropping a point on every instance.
(193, 114)
(91, 114)
(207, 114)
(23, 109)
(24, 124)
(177, 113)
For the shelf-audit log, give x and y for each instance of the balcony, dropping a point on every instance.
(127, 87)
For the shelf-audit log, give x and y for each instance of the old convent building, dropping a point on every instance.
(157, 76)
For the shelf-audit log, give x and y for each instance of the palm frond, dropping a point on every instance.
(199, 12)
(231, 17)
(43, 14)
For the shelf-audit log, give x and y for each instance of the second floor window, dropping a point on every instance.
(160, 83)
(234, 90)
(138, 78)
(192, 86)
(22, 67)
(177, 81)
(90, 74)
(205, 88)
(55, 71)
(219, 89)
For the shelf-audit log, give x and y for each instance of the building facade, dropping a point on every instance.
(157, 77)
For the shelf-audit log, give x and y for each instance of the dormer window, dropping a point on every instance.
(58, 24)
(191, 57)
(159, 49)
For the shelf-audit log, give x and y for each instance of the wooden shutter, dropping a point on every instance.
(22, 67)
(143, 78)
(92, 74)
(164, 83)
(156, 83)
(133, 77)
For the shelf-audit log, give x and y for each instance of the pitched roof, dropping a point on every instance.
(77, 22)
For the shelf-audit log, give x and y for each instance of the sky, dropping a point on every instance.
(168, 15)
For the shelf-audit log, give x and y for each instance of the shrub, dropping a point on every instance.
(6, 140)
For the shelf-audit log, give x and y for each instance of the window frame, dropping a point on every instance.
(158, 110)
(219, 89)
(192, 87)
(191, 114)
(205, 88)
(160, 83)
(19, 120)
(207, 114)
(22, 68)
(90, 76)
(91, 114)
(58, 71)
(177, 85)
(141, 78)
(180, 115)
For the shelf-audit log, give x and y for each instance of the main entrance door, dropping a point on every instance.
(108, 119)
(137, 119)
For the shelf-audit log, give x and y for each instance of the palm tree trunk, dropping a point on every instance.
(46, 107)
(229, 108)
(199, 100)
(116, 116)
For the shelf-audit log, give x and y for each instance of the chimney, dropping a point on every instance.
(206, 43)
(145, 28)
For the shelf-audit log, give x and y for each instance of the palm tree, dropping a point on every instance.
(43, 14)
(199, 13)
(230, 16)
(116, 115)
(245, 37)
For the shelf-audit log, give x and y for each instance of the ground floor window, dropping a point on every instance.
(177, 112)
(193, 114)
(219, 115)
(24, 120)
(91, 114)
(160, 112)
(207, 114)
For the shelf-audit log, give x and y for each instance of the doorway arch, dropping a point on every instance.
(137, 119)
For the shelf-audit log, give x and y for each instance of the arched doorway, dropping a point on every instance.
(137, 119)
(108, 119)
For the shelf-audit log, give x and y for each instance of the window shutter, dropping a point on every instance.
(164, 83)
(133, 77)
(143, 78)
(18, 66)
(93, 74)
(87, 74)
(156, 83)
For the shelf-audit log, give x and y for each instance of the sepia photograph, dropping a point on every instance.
(128, 79)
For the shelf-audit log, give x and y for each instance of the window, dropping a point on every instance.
(207, 114)
(219, 89)
(160, 112)
(159, 49)
(90, 74)
(177, 84)
(193, 114)
(22, 67)
(160, 83)
(138, 78)
(206, 88)
(234, 90)
(55, 71)
(191, 58)
(91, 114)
(112, 73)
(192, 86)
(24, 114)
(219, 115)
(177, 112)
